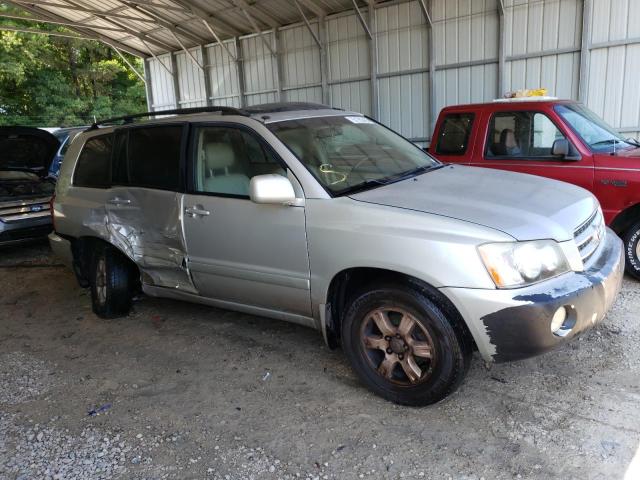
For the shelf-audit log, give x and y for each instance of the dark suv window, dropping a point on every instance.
(93, 167)
(154, 157)
(453, 138)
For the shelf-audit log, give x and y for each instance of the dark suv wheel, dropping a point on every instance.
(632, 249)
(112, 283)
(403, 347)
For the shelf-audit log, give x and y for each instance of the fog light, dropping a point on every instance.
(563, 321)
(557, 322)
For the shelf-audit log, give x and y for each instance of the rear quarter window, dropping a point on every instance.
(154, 157)
(453, 138)
(93, 168)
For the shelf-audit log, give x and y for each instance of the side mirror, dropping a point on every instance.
(560, 148)
(272, 189)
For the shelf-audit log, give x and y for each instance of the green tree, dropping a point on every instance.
(56, 81)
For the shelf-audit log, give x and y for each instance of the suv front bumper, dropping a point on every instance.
(515, 324)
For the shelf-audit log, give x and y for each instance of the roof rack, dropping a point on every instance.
(278, 107)
(125, 119)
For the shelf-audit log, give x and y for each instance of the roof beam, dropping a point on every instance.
(79, 8)
(139, 35)
(210, 18)
(317, 10)
(6, 28)
(162, 20)
(306, 22)
(156, 57)
(85, 31)
(60, 22)
(76, 36)
(222, 44)
(186, 50)
(140, 76)
(363, 22)
(259, 31)
(251, 10)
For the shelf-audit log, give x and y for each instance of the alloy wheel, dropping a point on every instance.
(398, 346)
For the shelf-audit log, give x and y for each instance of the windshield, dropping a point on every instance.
(591, 128)
(351, 153)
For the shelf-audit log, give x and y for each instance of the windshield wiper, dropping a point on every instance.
(391, 179)
(609, 141)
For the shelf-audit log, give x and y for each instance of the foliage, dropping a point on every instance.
(56, 81)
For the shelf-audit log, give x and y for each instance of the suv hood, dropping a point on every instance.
(26, 148)
(525, 207)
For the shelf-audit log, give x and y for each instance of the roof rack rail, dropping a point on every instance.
(125, 119)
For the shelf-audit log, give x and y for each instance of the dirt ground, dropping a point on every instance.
(187, 391)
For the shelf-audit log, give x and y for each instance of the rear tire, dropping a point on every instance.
(112, 283)
(403, 347)
(632, 250)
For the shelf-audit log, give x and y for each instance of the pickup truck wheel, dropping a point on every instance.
(403, 347)
(111, 282)
(632, 249)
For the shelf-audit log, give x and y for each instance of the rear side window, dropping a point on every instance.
(93, 169)
(453, 138)
(154, 157)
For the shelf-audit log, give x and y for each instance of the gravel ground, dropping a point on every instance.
(184, 391)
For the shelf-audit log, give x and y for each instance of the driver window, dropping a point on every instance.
(227, 158)
(523, 135)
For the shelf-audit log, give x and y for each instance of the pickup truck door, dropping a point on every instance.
(521, 141)
(239, 251)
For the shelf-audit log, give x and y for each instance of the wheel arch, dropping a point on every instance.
(83, 249)
(349, 281)
(625, 219)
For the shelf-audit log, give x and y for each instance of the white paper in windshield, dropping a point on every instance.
(358, 119)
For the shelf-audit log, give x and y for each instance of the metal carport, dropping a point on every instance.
(399, 61)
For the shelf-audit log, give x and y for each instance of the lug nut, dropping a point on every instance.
(400, 356)
(389, 350)
(387, 338)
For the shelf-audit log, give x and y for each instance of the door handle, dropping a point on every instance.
(197, 211)
(119, 201)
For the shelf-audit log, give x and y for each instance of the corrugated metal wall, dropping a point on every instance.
(542, 46)
(614, 64)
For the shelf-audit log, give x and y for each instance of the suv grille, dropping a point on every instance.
(24, 210)
(589, 235)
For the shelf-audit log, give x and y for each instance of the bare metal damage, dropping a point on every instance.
(515, 324)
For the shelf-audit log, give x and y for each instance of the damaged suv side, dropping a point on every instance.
(328, 219)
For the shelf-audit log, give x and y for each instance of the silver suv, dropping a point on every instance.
(328, 219)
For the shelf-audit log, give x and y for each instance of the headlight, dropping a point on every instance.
(522, 263)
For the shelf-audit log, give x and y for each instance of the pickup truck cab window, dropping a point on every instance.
(522, 135)
(454, 134)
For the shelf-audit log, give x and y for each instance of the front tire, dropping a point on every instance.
(403, 347)
(632, 250)
(111, 281)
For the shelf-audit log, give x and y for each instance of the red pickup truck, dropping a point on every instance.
(559, 139)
